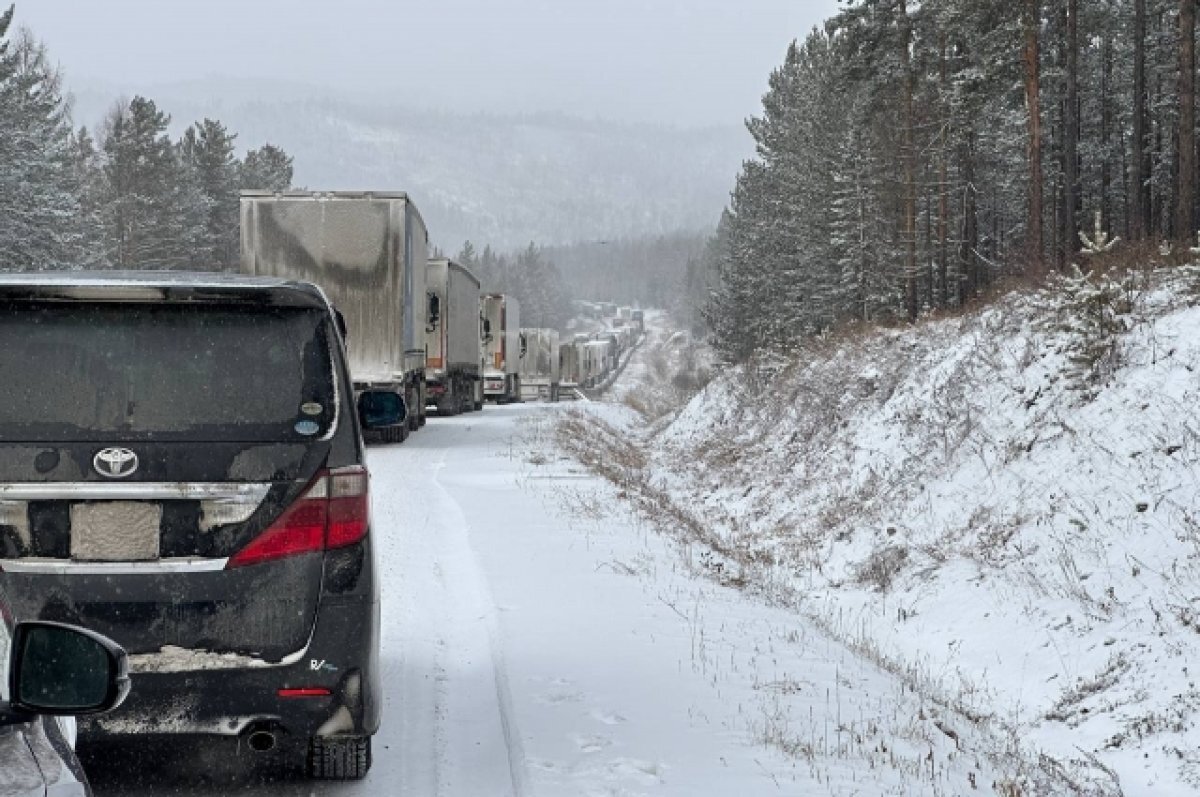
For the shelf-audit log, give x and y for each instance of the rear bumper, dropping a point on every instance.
(495, 384)
(342, 656)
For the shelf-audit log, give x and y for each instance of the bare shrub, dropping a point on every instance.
(636, 404)
(880, 569)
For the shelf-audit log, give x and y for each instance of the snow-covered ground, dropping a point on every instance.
(1001, 508)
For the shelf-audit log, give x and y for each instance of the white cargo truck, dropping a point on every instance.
(570, 369)
(595, 360)
(367, 251)
(502, 347)
(453, 339)
(540, 367)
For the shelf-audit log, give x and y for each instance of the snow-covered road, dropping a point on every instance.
(540, 639)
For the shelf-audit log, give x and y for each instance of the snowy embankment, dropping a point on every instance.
(1003, 509)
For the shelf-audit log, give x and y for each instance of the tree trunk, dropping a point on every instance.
(1071, 136)
(969, 235)
(943, 195)
(909, 159)
(1032, 20)
(1106, 125)
(1139, 204)
(1185, 180)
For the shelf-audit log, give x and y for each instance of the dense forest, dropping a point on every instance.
(127, 196)
(913, 152)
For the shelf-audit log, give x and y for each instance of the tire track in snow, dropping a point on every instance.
(449, 624)
(518, 773)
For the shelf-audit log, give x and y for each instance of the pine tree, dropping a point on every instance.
(39, 194)
(89, 178)
(267, 168)
(468, 258)
(207, 152)
(150, 198)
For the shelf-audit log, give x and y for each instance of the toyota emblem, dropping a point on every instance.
(115, 463)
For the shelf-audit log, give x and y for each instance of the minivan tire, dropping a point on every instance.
(340, 758)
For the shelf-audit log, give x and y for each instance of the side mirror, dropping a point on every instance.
(435, 312)
(64, 670)
(378, 409)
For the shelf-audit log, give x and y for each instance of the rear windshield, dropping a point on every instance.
(118, 372)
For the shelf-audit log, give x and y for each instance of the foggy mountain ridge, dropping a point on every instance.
(503, 180)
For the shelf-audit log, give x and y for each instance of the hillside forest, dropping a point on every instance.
(912, 153)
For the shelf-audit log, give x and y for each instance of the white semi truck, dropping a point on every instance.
(502, 347)
(367, 251)
(453, 339)
(570, 369)
(596, 361)
(540, 366)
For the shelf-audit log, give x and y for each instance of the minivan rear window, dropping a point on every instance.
(119, 372)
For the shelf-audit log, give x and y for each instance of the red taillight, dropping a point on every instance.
(332, 513)
(308, 691)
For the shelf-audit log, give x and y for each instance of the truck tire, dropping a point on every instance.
(448, 404)
(340, 758)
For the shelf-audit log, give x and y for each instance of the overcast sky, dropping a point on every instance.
(684, 61)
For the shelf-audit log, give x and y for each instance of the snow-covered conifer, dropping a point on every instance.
(267, 168)
(207, 152)
(39, 194)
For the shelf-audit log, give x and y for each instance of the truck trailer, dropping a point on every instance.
(367, 251)
(595, 360)
(502, 347)
(453, 342)
(570, 369)
(540, 367)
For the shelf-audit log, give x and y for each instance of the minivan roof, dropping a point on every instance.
(160, 286)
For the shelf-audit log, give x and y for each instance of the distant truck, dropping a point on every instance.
(570, 368)
(540, 366)
(502, 348)
(639, 321)
(594, 361)
(453, 339)
(612, 354)
(367, 252)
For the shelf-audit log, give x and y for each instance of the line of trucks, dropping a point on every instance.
(418, 326)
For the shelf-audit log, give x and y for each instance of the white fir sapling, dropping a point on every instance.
(1099, 242)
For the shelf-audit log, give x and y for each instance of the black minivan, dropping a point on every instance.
(182, 470)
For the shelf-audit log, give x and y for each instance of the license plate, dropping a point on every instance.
(115, 531)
